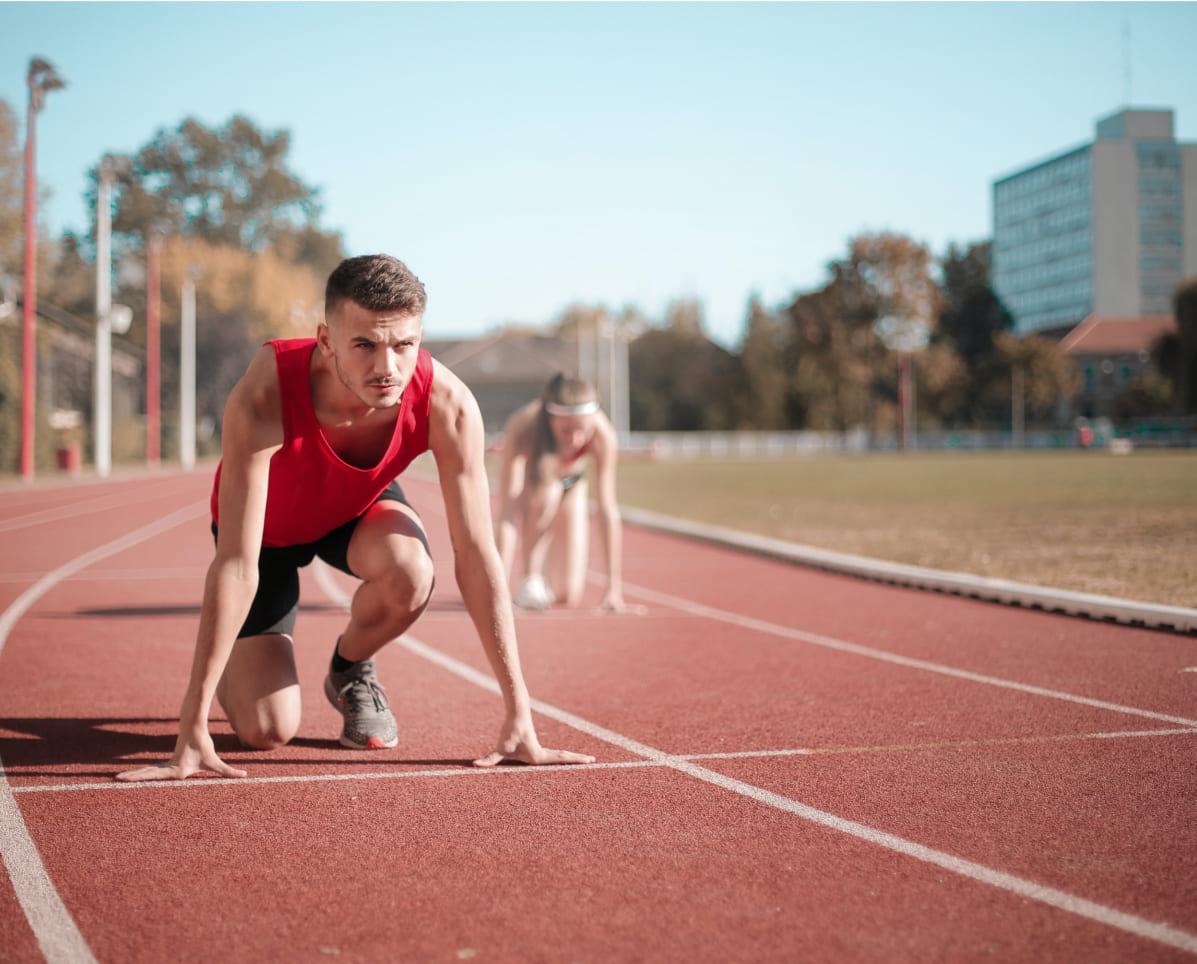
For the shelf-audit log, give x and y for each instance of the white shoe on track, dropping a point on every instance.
(533, 594)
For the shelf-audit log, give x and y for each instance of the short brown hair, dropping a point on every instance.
(377, 282)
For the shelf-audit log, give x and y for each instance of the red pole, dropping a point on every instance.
(29, 332)
(152, 354)
(905, 402)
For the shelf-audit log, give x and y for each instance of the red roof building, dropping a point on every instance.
(1111, 350)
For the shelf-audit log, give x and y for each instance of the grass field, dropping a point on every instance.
(1089, 521)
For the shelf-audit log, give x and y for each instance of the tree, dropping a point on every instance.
(242, 300)
(764, 355)
(12, 208)
(970, 319)
(1184, 305)
(680, 380)
(1049, 374)
(12, 266)
(943, 382)
(838, 355)
(227, 186)
(893, 275)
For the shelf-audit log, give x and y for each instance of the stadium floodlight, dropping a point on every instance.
(120, 317)
(109, 318)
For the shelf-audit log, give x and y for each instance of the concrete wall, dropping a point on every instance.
(1188, 161)
(1115, 228)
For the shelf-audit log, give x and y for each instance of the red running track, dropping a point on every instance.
(793, 766)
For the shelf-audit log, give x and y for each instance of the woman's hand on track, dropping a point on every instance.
(615, 604)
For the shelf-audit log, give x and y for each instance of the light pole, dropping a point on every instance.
(187, 369)
(109, 318)
(153, 308)
(41, 78)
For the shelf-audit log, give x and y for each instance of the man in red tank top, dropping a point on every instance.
(313, 438)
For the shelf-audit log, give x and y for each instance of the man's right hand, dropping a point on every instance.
(191, 756)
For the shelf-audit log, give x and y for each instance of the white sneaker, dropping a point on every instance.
(534, 594)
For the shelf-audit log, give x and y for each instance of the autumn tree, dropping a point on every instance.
(12, 266)
(1048, 375)
(894, 275)
(11, 237)
(242, 300)
(12, 229)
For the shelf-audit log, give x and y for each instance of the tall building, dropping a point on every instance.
(1107, 228)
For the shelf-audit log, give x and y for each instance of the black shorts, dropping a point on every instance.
(276, 603)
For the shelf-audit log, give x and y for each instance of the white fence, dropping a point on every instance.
(682, 445)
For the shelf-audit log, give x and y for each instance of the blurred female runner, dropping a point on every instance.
(543, 518)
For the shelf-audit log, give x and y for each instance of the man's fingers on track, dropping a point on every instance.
(227, 771)
(566, 756)
(149, 773)
(490, 760)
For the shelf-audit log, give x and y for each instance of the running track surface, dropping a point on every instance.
(793, 766)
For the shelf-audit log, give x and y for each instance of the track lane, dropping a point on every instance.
(561, 655)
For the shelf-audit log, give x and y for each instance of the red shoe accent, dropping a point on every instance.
(376, 743)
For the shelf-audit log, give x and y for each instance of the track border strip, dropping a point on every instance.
(1086, 605)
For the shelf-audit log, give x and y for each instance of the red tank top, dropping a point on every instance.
(312, 490)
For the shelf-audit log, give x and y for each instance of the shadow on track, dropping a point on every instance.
(54, 747)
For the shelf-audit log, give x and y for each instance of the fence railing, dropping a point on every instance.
(680, 445)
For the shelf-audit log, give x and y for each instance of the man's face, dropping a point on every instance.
(373, 352)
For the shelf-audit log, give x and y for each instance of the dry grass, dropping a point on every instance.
(1122, 526)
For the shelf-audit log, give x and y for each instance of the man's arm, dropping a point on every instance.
(513, 467)
(248, 440)
(457, 442)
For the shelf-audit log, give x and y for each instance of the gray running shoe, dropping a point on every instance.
(369, 722)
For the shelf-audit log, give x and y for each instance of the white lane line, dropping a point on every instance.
(1059, 899)
(55, 929)
(72, 509)
(1109, 916)
(828, 642)
(200, 780)
(205, 780)
(116, 575)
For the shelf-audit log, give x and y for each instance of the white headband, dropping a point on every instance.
(586, 408)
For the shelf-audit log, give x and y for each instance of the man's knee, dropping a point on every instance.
(266, 728)
(270, 736)
(408, 584)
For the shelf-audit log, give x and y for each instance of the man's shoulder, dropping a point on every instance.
(256, 398)
(448, 390)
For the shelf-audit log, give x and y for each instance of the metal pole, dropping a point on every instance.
(41, 78)
(102, 376)
(905, 401)
(29, 317)
(623, 395)
(602, 359)
(187, 375)
(1017, 412)
(586, 344)
(153, 390)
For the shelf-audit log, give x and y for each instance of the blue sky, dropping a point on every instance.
(521, 157)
